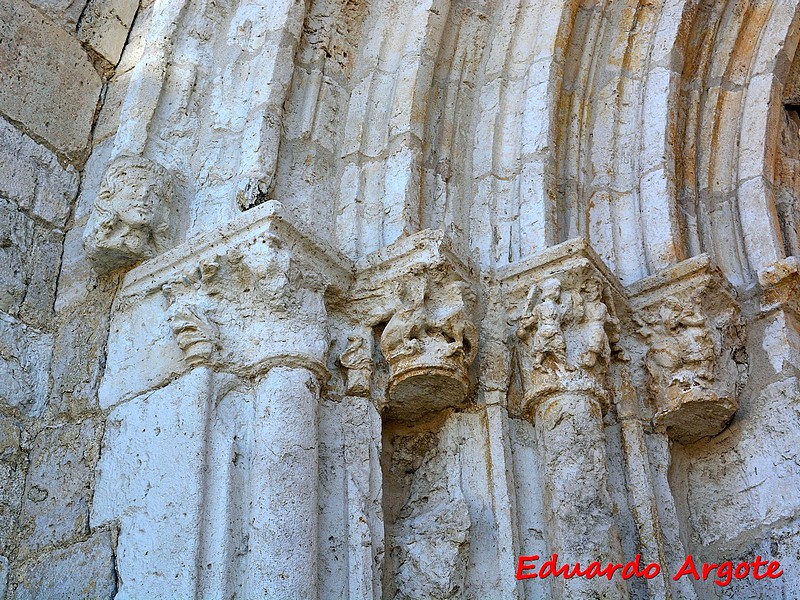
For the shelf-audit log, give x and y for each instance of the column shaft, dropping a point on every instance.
(581, 525)
(284, 484)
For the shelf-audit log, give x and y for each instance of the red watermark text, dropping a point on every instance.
(722, 573)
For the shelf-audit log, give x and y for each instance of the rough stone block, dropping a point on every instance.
(64, 13)
(3, 576)
(55, 506)
(105, 24)
(24, 365)
(77, 279)
(80, 571)
(134, 48)
(79, 349)
(32, 177)
(780, 544)
(12, 479)
(49, 84)
(30, 256)
(108, 119)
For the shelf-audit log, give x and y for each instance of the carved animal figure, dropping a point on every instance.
(454, 323)
(356, 355)
(682, 348)
(408, 325)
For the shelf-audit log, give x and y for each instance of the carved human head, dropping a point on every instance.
(593, 289)
(133, 190)
(130, 215)
(551, 289)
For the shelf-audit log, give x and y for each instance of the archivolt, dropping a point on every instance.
(649, 126)
(738, 57)
(667, 128)
(616, 133)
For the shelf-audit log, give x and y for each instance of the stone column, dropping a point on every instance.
(504, 506)
(641, 494)
(275, 326)
(283, 494)
(277, 510)
(581, 525)
(240, 380)
(422, 297)
(566, 330)
(363, 477)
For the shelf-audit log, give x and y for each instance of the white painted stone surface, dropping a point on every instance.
(149, 484)
(734, 490)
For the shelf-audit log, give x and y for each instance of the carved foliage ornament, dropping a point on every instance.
(189, 314)
(249, 302)
(130, 219)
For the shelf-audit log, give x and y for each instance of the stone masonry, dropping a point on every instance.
(315, 299)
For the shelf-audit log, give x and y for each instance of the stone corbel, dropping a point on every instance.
(689, 318)
(423, 296)
(564, 306)
(129, 222)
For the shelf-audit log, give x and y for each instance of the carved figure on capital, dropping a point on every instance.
(197, 336)
(429, 342)
(130, 219)
(357, 361)
(566, 334)
(601, 325)
(404, 333)
(691, 372)
(250, 300)
(541, 325)
(682, 348)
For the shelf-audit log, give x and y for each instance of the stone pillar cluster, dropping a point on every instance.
(254, 305)
(369, 298)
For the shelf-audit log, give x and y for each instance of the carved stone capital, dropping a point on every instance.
(248, 297)
(690, 320)
(357, 361)
(563, 305)
(422, 295)
(129, 222)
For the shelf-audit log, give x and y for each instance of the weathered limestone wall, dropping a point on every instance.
(367, 298)
(56, 57)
